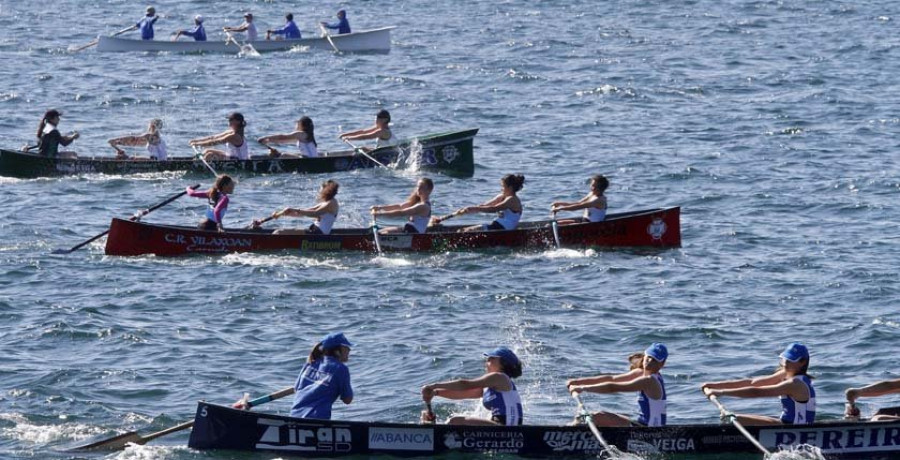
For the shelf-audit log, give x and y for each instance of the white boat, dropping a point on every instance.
(372, 41)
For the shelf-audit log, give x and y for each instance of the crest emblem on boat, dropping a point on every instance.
(452, 441)
(450, 153)
(657, 228)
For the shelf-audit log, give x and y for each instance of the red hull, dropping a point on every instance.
(659, 228)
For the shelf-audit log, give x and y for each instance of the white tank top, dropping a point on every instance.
(252, 34)
(508, 219)
(421, 222)
(157, 151)
(325, 222)
(379, 142)
(240, 153)
(596, 214)
(308, 149)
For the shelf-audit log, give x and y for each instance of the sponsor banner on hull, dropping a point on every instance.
(304, 437)
(876, 437)
(414, 439)
(480, 441)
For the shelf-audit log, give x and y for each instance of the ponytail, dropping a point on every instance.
(316, 354)
(307, 124)
(40, 131)
(514, 181)
(512, 370)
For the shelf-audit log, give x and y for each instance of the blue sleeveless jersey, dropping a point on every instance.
(794, 412)
(653, 411)
(506, 404)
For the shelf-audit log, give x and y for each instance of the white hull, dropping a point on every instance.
(374, 41)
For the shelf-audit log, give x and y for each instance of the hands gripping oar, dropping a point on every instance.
(135, 217)
(199, 156)
(119, 442)
(734, 421)
(590, 421)
(555, 226)
(328, 37)
(364, 153)
(438, 220)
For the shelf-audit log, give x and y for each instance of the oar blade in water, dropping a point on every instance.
(117, 442)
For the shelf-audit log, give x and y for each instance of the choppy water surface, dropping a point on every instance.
(772, 123)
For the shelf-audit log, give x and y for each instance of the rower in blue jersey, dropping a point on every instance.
(290, 31)
(145, 24)
(198, 32)
(323, 379)
(643, 378)
(417, 208)
(342, 25)
(790, 382)
(495, 388)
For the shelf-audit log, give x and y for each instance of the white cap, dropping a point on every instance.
(198, 18)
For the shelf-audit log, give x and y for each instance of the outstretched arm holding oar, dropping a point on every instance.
(882, 388)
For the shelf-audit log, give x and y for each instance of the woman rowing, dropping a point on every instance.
(235, 143)
(790, 382)
(325, 212)
(507, 204)
(417, 208)
(304, 136)
(643, 378)
(323, 379)
(495, 388)
(49, 137)
(217, 200)
(882, 388)
(381, 132)
(152, 139)
(594, 204)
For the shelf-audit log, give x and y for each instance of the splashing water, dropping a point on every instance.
(801, 452)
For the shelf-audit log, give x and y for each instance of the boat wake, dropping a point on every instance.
(25, 430)
(801, 452)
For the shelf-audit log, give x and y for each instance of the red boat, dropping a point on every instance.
(658, 228)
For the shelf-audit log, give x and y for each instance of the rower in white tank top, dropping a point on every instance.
(252, 34)
(325, 222)
(241, 152)
(419, 223)
(157, 151)
(390, 141)
(595, 214)
(508, 219)
(307, 149)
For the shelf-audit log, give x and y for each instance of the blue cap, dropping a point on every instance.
(795, 352)
(334, 340)
(657, 351)
(505, 354)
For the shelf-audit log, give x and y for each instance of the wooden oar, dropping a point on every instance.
(119, 442)
(590, 421)
(328, 37)
(555, 227)
(97, 40)
(733, 419)
(363, 153)
(136, 216)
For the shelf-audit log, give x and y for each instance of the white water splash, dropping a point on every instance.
(135, 452)
(801, 452)
(392, 261)
(26, 431)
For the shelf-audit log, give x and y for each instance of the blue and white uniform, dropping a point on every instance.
(652, 411)
(157, 151)
(508, 219)
(146, 27)
(318, 386)
(596, 214)
(794, 412)
(307, 149)
(240, 152)
(505, 406)
(325, 222)
(419, 223)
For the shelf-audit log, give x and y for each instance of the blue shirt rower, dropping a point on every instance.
(342, 25)
(290, 31)
(323, 379)
(145, 25)
(198, 33)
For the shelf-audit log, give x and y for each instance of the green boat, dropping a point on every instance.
(449, 153)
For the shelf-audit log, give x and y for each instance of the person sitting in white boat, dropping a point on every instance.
(152, 139)
(235, 143)
(594, 204)
(289, 31)
(645, 379)
(495, 388)
(304, 136)
(381, 132)
(507, 204)
(790, 382)
(325, 212)
(882, 388)
(417, 207)
(198, 32)
(248, 27)
(145, 24)
(49, 137)
(342, 25)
